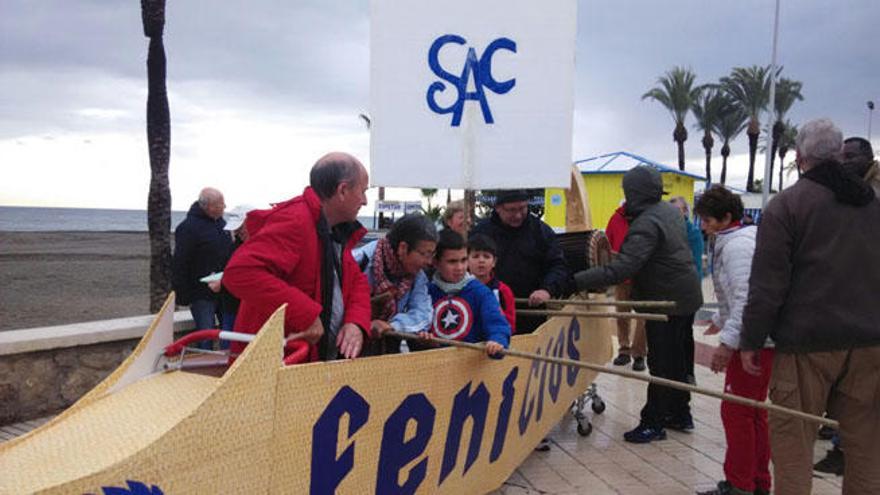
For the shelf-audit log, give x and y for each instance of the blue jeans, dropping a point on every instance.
(205, 313)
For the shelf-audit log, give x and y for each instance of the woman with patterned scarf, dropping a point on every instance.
(398, 286)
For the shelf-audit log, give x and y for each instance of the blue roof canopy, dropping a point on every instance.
(621, 161)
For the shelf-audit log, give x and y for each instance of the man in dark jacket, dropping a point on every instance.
(813, 289)
(201, 247)
(656, 256)
(530, 259)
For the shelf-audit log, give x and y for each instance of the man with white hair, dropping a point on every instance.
(813, 289)
(201, 247)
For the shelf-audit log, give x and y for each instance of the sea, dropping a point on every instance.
(31, 219)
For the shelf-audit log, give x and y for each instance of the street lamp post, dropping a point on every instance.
(765, 189)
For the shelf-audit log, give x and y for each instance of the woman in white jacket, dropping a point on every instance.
(746, 462)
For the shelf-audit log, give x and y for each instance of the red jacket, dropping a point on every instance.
(505, 299)
(281, 263)
(617, 229)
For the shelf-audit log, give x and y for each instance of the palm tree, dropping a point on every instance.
(787, 92)
(786, 142)
(159, 144)
(428, 194)
(731, 122)
(707, 110)
(676, 92)
(750, 87)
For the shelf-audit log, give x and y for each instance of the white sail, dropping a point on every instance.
(472, 94)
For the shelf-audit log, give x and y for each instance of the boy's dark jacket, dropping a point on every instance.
(486, 321)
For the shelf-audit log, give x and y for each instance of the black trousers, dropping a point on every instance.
(668, 357)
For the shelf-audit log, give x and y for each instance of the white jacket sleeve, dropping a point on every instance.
(737, 262)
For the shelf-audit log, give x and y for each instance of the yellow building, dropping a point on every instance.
(602, 177)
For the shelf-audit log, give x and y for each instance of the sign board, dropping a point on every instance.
(472, 94)
(398, 207)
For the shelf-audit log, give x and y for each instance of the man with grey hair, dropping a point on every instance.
(299, 253)
(201, 247)
(812, 289)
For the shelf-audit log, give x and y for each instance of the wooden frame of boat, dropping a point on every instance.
(440, 421)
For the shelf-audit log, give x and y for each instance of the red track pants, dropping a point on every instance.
(746, 462)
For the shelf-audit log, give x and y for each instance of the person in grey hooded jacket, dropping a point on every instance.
(655, 254)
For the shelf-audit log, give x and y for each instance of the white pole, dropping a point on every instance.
(771, 114)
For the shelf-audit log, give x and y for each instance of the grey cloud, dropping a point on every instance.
(287, 60)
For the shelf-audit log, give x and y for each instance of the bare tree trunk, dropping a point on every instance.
(708, 143)
(159, 143)
(776, 135)
(753, 149)
(725, 152)
(782, 154)
(680, 135)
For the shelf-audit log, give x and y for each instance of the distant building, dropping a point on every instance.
(602, 177)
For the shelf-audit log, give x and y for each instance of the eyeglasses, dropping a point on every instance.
(424, 253)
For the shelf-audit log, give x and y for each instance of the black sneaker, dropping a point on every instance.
(644, 434)
(621, 359)
(832, 463)
(685, 424)
(725, 488)
(639, 364)
(543, 445)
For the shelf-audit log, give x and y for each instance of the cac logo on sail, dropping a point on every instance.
(475, 71)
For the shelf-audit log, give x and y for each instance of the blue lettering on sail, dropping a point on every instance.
(478, 68)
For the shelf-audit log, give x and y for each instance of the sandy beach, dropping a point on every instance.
(53, 278)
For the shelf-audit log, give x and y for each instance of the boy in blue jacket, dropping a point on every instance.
(464, 308)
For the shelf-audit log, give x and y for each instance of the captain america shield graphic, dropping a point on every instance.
(452, 318)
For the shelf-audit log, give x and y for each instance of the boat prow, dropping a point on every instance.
(174, 430)
(440, 421)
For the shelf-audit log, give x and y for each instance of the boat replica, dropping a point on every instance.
(447, 420)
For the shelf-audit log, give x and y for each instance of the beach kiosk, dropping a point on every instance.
(602, 176)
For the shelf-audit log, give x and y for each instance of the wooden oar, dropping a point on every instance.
(580, 302)
(593, 314)
(629, 374)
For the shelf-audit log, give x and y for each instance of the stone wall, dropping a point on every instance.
(44, 370)
(37, 384)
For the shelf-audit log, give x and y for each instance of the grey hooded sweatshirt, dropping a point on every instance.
(655, 253)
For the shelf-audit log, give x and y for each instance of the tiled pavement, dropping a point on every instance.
(603, 463)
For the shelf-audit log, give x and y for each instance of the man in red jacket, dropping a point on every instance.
(299, 253)
(616, 231)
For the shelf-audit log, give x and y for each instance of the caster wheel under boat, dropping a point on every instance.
(584, 428)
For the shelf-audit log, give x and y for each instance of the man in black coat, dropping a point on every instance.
(201, 247)
(530, 259)
(656, 256)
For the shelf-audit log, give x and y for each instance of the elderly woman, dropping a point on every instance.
(398, 286)
(746, 462)
(455, 217)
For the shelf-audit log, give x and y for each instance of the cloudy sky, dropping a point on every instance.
(259, 89)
